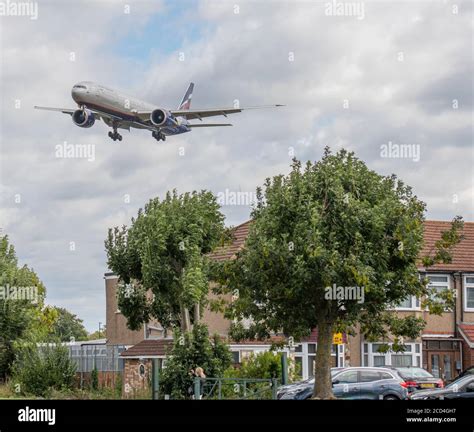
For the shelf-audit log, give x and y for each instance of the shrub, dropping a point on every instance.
(192, 350)
(41, 369)
(94, 379)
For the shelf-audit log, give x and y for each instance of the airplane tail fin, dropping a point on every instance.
(186, 101)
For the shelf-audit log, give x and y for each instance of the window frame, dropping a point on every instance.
(465, 287)
(417, 357)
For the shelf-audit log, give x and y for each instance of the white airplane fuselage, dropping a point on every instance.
(98, 97)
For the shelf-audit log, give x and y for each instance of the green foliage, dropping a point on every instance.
(262, 365)
(95, 379)
(40, 369)
(331, 222)
(191, 350)
(67, 327)
(18, 317)
(162, 252)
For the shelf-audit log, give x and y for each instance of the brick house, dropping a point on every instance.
(445, 347)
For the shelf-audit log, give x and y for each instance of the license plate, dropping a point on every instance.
(427, 385)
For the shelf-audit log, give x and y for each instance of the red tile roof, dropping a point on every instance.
(240, 233)
(149, 348)
(463, 253)
(468, 331)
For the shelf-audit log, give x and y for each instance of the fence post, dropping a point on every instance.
(284, 369)
(274, 388)
(155, 379)
(197, 388)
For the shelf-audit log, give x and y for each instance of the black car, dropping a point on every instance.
(468, 371)
(460, 388)
(417, 378)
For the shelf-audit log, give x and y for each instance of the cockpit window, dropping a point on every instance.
(79, 86)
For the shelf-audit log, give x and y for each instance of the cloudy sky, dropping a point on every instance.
(384, 72)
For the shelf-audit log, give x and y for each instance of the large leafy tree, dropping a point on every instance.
(334, 222)
(67, 326)
(21, 313)
(160, 259)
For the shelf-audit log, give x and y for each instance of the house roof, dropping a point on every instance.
(467, 331)
(463, 256)
(463, 252)
(229, 251)
(148, 348)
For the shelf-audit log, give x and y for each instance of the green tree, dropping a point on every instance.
(334, 222)
(160, 259)
(67, 326)
(192, 350)
(21, 304)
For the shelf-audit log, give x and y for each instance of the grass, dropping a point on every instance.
(7, 392)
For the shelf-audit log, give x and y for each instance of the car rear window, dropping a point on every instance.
(414, 373)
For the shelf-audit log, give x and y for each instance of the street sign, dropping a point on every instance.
(337, 339)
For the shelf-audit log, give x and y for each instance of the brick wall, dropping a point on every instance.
(134, 384)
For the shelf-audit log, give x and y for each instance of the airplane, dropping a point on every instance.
(120, 111)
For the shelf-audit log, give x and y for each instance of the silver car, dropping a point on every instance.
(356, 383)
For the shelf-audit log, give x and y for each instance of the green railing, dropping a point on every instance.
(235, 388)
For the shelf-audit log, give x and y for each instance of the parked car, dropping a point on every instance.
(357, 383)
(295, 388)
(460, 388)
(417, 378)
(468, 371)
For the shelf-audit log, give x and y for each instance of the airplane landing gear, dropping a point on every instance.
(115, 135)
(158, 136)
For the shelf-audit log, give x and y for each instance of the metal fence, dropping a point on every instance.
(104, 358)
(235, 388)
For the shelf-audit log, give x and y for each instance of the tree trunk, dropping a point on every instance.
(197, 313)
(185, 321)
(322, 382)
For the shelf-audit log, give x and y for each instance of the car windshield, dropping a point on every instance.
(414, 373)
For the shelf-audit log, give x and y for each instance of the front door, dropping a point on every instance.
(442, 364)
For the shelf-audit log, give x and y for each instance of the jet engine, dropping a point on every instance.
(161, 117)
(83, 118)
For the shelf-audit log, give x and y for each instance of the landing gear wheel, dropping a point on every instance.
(158, 136)
(115, 136)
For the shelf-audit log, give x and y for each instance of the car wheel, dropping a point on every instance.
(390, 397)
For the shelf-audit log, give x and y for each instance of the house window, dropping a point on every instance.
(374, 355)
(235, 357)
(410, 303)
(438, 283)
(469, 293)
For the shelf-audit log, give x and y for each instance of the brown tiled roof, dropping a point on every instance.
(463, 253)
(468, 330)
(240, 233)
(149, 348)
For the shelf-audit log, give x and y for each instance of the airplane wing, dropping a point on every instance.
(63, 110)
(97, 113)
(208, 125)
(199, 114)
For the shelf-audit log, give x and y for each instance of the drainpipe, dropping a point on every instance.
(457, 279)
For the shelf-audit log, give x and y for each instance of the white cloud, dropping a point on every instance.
(244, 56)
